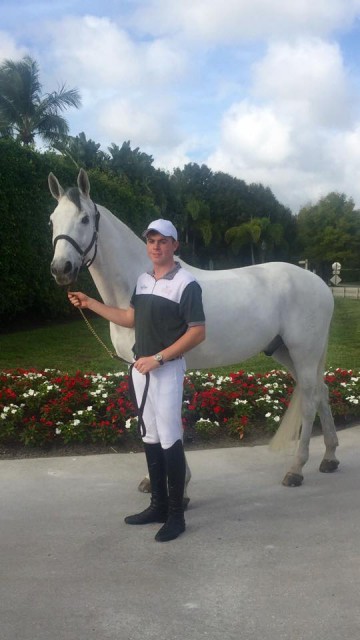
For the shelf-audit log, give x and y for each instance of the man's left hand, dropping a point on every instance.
(144, 365)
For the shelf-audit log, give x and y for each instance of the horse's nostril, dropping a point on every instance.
(68, 267)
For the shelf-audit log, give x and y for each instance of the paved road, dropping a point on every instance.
(258, 561)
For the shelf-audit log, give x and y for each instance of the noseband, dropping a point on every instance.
(76, 246)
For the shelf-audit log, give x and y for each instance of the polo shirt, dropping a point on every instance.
(164, 309)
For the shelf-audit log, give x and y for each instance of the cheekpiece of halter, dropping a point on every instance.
(93, 240)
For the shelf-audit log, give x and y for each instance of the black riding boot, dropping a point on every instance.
(158, 509)
(175, 466)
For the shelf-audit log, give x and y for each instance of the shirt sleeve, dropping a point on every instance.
(132, 299)
(191, 306)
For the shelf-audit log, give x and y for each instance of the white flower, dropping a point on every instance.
(268, 414)
(277, 419)
(30, 393)
(57, 431)
(76, 422)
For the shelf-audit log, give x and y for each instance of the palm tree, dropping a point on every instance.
(24, 111)
(251, 233)
(83, 153)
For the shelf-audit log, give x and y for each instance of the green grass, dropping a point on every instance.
(70, 346)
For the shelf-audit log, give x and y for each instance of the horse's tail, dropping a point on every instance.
(289, 429)
(290, 425)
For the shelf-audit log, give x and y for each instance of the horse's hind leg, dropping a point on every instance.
(314, 397)
(308, 401)
(329, 462)
(307, 384)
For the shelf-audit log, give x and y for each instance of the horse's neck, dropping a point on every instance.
(121, 257)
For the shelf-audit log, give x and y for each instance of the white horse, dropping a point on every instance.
(275, 307)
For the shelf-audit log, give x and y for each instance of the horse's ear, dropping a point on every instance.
(83, 183)
(56, 189)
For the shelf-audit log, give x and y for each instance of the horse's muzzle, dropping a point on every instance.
(64, 273)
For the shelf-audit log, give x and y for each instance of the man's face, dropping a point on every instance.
(161, 249)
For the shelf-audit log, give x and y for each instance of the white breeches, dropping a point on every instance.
(162, 411)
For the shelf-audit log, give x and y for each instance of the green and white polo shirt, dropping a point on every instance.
(164, 309)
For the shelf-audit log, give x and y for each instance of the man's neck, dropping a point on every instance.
(161, 271)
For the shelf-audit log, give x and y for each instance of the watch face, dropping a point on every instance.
(158, 357)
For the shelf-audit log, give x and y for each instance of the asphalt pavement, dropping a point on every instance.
(258, 561)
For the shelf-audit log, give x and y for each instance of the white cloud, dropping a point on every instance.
(216, 21)
(149, 125)
(255, 135)
(298, 129)
(9, 50)
(96, 53)
(307, 80)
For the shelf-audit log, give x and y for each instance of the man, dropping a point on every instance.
(167, 313)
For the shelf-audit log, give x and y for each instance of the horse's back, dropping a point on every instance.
(247, 308)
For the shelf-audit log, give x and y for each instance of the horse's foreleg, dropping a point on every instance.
(329, 462)
(145, 487)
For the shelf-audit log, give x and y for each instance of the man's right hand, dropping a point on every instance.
(79, 299)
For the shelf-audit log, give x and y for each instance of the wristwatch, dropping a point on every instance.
(158, 357)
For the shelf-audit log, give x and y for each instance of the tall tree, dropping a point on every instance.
(133, 163)
(328, 232)
(259, 233)
(24, 111)
(83, 152)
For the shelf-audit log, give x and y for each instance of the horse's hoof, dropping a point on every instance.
(293, 480)
(186, 503)
(144, 485)
(328, 466)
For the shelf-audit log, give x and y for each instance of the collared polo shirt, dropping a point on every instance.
(164, 309)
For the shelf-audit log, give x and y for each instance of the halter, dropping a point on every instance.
(77, 247)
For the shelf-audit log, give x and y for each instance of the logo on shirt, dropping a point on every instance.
(166, 290)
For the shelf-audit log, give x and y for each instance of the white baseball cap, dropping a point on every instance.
(165, 227)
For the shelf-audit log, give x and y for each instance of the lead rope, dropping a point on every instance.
(139, 409)
(112, 354)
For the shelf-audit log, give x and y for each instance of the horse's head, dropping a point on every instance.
(75, 224)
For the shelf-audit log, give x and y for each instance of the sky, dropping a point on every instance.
(265, 90)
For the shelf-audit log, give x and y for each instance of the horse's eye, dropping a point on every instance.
(85, 220)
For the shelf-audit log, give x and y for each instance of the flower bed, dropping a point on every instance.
(40, 408)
